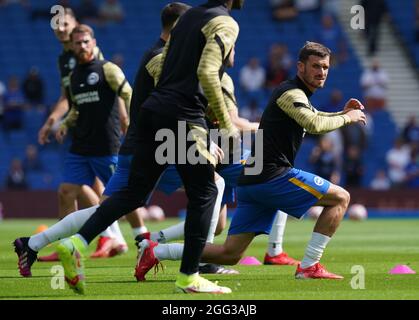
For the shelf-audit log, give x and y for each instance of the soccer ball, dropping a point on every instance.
(143, 213)
(315, 212)
(357, 212)
(156, 213)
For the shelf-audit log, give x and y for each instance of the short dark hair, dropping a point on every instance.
(313, 49)
(82, 28)
(171, 13)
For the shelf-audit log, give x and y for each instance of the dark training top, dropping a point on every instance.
(193, 63)
(94, 88)
(66, 63)
(287, 117)
(143, 85)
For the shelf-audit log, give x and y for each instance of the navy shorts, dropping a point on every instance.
(83, 169)
(293, 192)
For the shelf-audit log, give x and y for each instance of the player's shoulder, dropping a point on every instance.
(98, 53)
(109, 67)
(222, 23)
(290, 91)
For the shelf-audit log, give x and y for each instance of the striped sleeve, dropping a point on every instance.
(330, 114)
(296, 105)
(118, 83)
(221, 34)
(153, 67)
(227, 85)
(162, 58)
(71, 118)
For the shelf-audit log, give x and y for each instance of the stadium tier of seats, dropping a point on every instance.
(26, 42)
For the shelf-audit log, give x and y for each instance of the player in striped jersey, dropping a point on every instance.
(230, 173)
(287, 117)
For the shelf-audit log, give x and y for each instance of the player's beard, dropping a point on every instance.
(84, 56)
(314, 82)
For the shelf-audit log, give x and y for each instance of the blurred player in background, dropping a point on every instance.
(85, 196)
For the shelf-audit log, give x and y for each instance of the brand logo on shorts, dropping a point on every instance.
(71, 63)
(93, 78)
(319, 181)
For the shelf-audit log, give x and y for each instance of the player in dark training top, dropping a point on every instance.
(192, 62)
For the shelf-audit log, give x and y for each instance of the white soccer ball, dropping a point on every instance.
(143, 213)
(156, 213)
(315, 212)
(357, 212)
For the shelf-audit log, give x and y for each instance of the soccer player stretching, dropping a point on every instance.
(286, 119)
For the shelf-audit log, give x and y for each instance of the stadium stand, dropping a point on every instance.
(27, 42)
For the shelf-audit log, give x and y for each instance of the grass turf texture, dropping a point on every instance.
(376, 245)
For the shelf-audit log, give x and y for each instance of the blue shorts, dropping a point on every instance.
(170, 180)
(119, 179)
(231, 174)
(83, 169)
(293, 192)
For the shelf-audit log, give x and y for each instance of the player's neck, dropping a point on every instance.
(309, 87)
(66, 45)
(165, 36)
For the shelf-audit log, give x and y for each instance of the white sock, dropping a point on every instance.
(139, 230)
(172, 233)
(62, 229)
(277, 234)
(170, 251)
(177, 232)
(117, 232)
(314, 250)
(217, 207)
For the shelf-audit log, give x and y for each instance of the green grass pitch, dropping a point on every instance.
(375, 245)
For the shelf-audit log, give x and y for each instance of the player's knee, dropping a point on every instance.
(344, 198)
(232, 256)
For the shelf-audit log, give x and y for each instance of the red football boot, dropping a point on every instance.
(146, 259)
(281, 259)
(104, 247)
(316, 271)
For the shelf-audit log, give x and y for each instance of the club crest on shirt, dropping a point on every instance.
(71, 63)
(319, 181)
(92, 78)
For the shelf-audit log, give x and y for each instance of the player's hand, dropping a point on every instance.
(353, 104)
(217, 152)
(60, 135)
(357, 116)
(44, 132)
